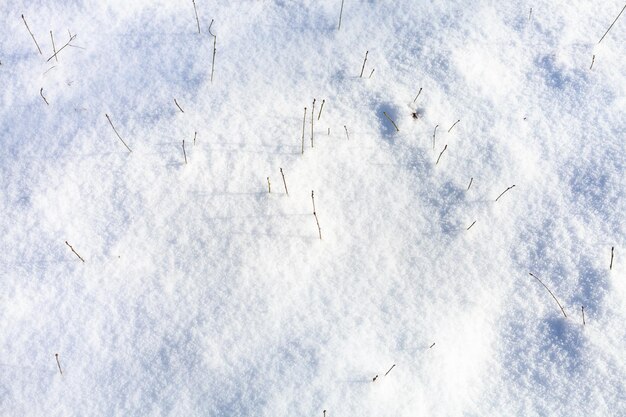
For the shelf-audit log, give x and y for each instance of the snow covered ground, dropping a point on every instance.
(203, 294)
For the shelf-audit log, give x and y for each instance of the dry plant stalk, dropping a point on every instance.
(546, 287)
(75, 253)
(31, 34)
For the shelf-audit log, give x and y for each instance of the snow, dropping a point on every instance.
(203, 294)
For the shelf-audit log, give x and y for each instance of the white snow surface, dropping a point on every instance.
(202, 294)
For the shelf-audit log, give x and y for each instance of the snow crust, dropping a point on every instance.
(203, 294)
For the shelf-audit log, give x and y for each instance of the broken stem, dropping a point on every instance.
(444, 149)
(75, 253)
(505, 192)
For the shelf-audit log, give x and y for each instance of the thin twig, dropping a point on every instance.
(363, 67)
(44, 99)
(582, 308)
(196, 12)
(269, 186)
(546, 287)
(194, 138)
(347, 135)
(607, 31)
(372, 73)
(321, 108)
(593, 59)
(392, 122)
(505, 192)
(340, 14)
(54, 49)
(214, 50)
(118, 135)
(75, 253)
(184, 153)
(63, 47)
(177, 105)
(56, 355)
(31, 34)
(470, 183)
(418, 94)
(444, 149)
(313, 200)
(392, 366)
(319, 229)
(434, 133)
(303, 127)
(284, 182)
(453, 125)
(312, 119)
(612, 252)
(470, 226)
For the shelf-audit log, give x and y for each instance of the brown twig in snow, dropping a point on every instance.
(505, 192)
(72, 37)
(75, 253)
(41, 94)
(31, 34)
(118, 135)
(546, 287)
(607, 31)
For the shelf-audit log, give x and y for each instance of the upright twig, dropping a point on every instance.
(363, 67)
(371, 73)
(194, 138)
(321, 108)
(56, 355)
(418, 94)
(392, 366)
(470, 226)
(269, 186)
(612, 252)
(214, 50)
(184, 153)
(434, 134)
(284, 182)
(593, 59)
(392, 122)
(546, 287)
(319, 229)
(41, 94)
(313, 200)
(340, 14)
(444, 149)
(303, 126)
(118, 135)
(347, 134)
(178, 105)
(431, 346)
(470, 183)
(312, 119)
(453, 125)
(530, 14)
(75, 253)
(196, 12)
(582, 308)
(54, 49)
(607, 31)
(31, 34)
(72, 37)
(505, 192)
